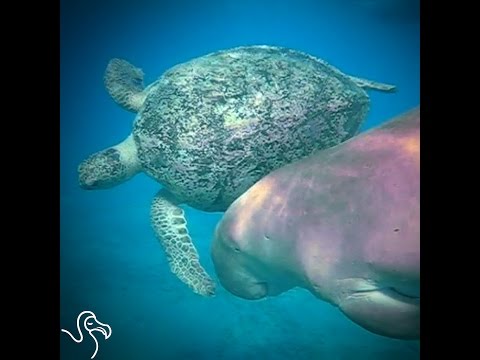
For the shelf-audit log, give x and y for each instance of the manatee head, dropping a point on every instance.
(244, 265)
(233, 269)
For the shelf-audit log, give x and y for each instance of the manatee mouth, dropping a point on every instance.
(393, 293)
(263, 286)
(402, 294)
(253, 291)
(258, 290)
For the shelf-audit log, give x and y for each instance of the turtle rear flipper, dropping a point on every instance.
(124, 83)
(372, 85)
(170, 226)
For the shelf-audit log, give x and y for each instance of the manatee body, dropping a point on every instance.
(343, 223)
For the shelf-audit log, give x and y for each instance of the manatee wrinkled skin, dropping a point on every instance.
(209, 128)
(343, 223)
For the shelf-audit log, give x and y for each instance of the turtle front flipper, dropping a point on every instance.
(373, 85)
(170, 226)
(124, 83)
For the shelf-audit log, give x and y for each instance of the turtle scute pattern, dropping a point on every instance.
(168, 221)
(213, 126)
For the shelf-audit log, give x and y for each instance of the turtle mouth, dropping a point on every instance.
(88, 184)
(85, 178)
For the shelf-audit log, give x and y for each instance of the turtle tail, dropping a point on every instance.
(373, 85)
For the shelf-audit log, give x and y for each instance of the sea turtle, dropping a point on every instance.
(343, 223)
(209, 128)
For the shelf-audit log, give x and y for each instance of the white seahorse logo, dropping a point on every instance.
(90, 319)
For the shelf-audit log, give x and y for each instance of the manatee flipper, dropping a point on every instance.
(372, 85)
(385, 312)
(124, 83)
(170, 226)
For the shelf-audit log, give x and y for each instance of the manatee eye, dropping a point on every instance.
(236, 249)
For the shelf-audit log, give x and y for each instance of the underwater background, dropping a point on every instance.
(110, 260)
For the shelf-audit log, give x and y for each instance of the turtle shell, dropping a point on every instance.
(213, 126)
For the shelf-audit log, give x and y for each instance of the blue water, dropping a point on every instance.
(111, 262)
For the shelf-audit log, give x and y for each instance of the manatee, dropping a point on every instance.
(343, 223)
(209, 128)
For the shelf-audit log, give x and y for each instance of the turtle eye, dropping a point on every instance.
(89, 323)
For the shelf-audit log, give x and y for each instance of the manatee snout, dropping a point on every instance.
(231, 266)
(240, 283)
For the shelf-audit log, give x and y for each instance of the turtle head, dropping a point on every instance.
(109, 167)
